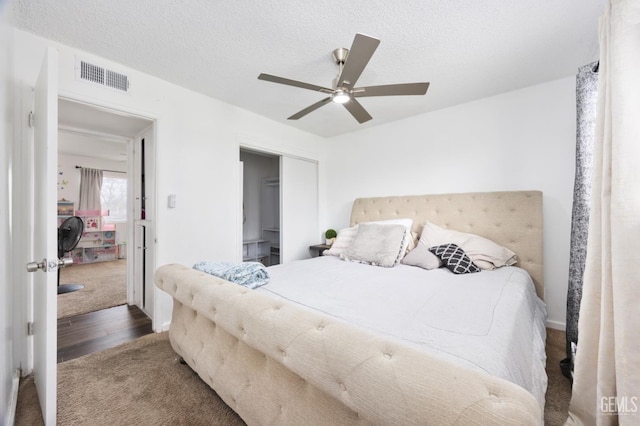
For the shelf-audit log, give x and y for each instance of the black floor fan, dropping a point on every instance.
(69, 234)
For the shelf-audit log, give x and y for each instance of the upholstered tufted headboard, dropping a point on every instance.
(512, 219)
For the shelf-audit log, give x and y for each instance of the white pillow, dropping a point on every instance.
(482, 251)
(407, 242)
(344, 238)
(422, 258)
(376, 244)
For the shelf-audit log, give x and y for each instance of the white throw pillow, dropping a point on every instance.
(344, 238)
(422, 258)
(407, 242)
(482, 251)
(376, 244)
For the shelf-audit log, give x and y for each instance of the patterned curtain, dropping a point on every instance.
(586, 101)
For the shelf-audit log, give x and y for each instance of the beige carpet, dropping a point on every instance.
(143, 383)
(559, 388)
(137, 383)
(105, 286)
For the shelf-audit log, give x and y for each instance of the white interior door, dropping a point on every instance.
(299, 220)
(138, 260)
(143, 251)
(45, 125)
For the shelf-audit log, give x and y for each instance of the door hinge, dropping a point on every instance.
(30, 328)
(31, 118)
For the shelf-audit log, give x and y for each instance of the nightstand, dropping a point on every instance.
(318, 249)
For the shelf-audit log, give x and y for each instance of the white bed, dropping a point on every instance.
(334, 342)
(490, 321)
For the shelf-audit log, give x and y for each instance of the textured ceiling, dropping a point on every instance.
(467, 49)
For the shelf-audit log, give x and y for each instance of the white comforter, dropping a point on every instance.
(492, 321)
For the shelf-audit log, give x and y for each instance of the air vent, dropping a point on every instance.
(100, 75)
(92, 73)
(116, 80)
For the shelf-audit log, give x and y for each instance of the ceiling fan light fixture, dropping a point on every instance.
(341, 97)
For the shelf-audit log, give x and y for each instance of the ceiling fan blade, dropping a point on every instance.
(360, 53)
(358, 111)
(392, 90)
(309, 109)
(295, 83)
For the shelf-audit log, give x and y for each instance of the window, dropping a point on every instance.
(114, 196)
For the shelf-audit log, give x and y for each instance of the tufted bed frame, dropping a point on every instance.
(275, 363)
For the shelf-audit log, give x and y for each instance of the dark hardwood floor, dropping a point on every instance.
(95, 331)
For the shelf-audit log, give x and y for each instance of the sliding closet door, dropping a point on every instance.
(299, 208)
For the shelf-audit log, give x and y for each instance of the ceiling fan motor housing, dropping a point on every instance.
(340, 55)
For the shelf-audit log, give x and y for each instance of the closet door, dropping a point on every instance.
(299, 225)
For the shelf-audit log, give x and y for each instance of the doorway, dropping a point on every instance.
(260, 207)
(104, 261)
(280, 218)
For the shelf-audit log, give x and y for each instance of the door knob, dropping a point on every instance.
(65, 262)
(34, 266)
(56, 263)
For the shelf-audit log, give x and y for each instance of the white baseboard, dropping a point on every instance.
(164, 326)
(13, 399)
(556, 325)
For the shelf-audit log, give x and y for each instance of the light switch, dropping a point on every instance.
(171, 201)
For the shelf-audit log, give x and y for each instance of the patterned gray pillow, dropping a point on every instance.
(454, 259)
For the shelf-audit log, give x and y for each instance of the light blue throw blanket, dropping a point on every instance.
(248, 274)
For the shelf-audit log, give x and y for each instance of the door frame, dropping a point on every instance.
(247, 144)
(23, 207)
(257, 143)
(150, 135)
(242, 169)
(22, 210)
(240, 180)
(138, 293)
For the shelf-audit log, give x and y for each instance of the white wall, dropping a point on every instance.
(519, 140)
(515, 141)
(197, 153)
(8, 362)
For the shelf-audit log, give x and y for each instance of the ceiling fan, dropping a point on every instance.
(351, 63)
